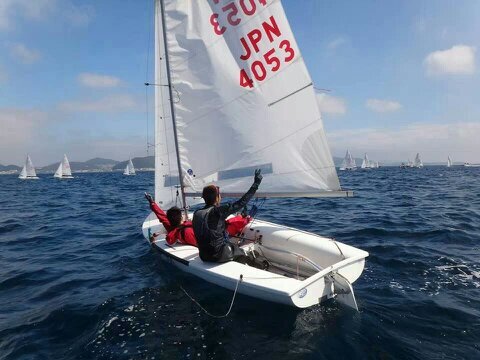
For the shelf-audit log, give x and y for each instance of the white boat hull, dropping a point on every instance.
(292, 279)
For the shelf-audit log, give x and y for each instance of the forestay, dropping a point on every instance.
(243, 99)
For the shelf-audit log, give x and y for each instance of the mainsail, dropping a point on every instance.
(243, 99)
(449, 161)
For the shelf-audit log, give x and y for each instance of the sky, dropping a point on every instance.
(402, 77)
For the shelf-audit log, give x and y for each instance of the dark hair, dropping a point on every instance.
(174, 216)
(209, 194)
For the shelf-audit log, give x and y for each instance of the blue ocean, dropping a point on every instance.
(78, 281)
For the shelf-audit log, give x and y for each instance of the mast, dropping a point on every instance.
(172, 108)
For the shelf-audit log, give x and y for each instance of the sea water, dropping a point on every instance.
(78, 281)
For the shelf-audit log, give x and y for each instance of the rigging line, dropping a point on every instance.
(206, 311)
(147, 68)
(222, 37)
(291, 94)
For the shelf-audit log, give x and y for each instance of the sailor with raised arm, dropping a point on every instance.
(209, 224)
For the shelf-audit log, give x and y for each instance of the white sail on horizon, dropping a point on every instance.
(348, 162)
(63, 170)
(366, 164)
(28, 170)
(129, 169)
(449, 161)
(418, 162)
(237, 89)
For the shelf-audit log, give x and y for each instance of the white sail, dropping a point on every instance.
(366, 162)
(28, 171)
(449, 161)
(418, 162)
(58, 173)
(63, 171)
(348, 162)
(243, 99)
(129, 169)
(30, 168)
(66, 170)
(23, 173)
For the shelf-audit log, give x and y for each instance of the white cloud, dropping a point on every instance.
(382, 106)
(78, 15)
(24, 54)
(40, 10)
(109, 104)
(98, 81)
(331, 105)
(19, 130)
(336, 43)
(458, 60)
(434, 142)
(29, 9)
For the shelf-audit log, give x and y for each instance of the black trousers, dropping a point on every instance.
(233, 252)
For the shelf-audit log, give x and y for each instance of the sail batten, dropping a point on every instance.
(245, 79)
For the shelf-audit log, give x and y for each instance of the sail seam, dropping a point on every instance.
(268, 146)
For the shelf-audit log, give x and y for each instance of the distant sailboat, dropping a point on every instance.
(28, 171)
(471, 165)
(63, 171)
(348, 162)
(418, 162)
(366, 163)
(129, 169)
(449, 161)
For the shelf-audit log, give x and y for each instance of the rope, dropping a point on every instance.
(206, 311)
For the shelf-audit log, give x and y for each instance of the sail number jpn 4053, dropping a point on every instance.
(266, 61)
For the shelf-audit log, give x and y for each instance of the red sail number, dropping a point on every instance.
(232, 11)
(258, 69)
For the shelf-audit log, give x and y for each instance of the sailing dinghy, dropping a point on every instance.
(366, 163)
(418, 162)
(449, 161)
(230, 78)
(129, 169)
(63, 171)
(348, 162)
(28, 171)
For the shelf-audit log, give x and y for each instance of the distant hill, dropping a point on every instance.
(147, 162)
(96, 164)
(10, 168)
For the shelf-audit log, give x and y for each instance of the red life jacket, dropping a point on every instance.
(182, 234)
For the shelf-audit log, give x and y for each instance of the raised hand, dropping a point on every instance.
(258, 176)
(149, 198)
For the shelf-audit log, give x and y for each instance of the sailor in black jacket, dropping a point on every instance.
(209, 223)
